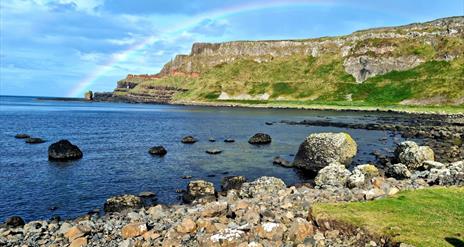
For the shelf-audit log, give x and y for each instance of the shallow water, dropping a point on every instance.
(115, 139)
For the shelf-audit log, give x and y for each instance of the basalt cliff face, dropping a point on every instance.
(408, 64)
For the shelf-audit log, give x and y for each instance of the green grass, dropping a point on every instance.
(423, 217)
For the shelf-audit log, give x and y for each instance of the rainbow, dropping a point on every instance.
(86, 83)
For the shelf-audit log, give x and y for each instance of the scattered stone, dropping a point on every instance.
(260, 138)
(34, 140)
(122, 203)
(281, 162)
(412, 155)
(232, 182)
(321, 149)
(79, 242)
(333, 175)
(14, 221)
(299, 230)
(214, 209)
(261, 186)
(64, 151)
(189, 140)
(398, 171)
(133, 230)
(158, 150)
(213, 151)
(74, 233)
(186, 226)
(22, 136)
(199, 190)
(229, 140)
(271, 231)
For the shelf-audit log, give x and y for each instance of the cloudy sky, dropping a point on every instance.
(64, 47)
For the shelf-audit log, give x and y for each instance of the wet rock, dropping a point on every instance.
(398, 171)
(147, 194)
(262, 186)
(34, 140)
(122, 203)
(133, 230)
(64, 151)
(200, 190)
(189, 140)
(333, 175)
(186, 177)
(14, 221)
(213, 151)
(260, 138)
(158, 150)
(232, 182)
(412, 155)
(211, 139)
(269, 123)
(281, 162)
(321, 149)
(229, 140)
(22, 136)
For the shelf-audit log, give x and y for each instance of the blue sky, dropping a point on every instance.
(64, 47)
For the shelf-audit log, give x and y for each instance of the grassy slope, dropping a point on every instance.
(310, 81)
(421, 217)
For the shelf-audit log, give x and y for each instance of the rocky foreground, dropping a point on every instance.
(264, 212)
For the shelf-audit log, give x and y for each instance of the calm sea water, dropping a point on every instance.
(115, 139)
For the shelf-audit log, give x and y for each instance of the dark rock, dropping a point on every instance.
(232, 182)
(64, 151)
(14, 221)
(55, 218)
(211, 139)
(34, 140)
(213, 151)
(186, 177)
(53, 208)
(260, 138)
(122, 203)
(189, 140)
(269, 123)
(281, 162)
(158, 150)
(147, 194)
(211, 175)
(22, 136)
(229, 140)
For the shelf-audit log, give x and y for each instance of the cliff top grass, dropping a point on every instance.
(426, 217)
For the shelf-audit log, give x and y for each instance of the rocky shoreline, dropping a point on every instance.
(264, 212)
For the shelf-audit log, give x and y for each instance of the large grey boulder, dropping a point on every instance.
(333, 175)
(398, 171)
(453, 174)
(321, 149)
(413, 155)
(361, 176)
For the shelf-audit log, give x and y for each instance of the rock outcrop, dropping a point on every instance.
(260, 138)
(321, 149)
(64, 151)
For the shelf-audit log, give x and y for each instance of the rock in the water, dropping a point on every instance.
(269, 123)
(213, 151)
(260, 138)
(232, 182)
(147, 194)
(22, 136)
(211, 139)
(262, 186)
(321, 149)
(200, 190)
(64, 151)
(34, 140)
(398, 171)
(158, 150)
(229, 140)
(412, 155)
(333, 175)
(281, 162)
(189, 140)
(14, 221)
(122, 203)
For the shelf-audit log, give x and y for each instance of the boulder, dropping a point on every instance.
(281, 162)
(398, 171)
(262, 186)
(34, 140)
(22, 136)
(211, 139)
(133, 230)
(232, 182)
(413, 155)
(122, 202)
(260, 138)
(158, 150)
(361, 175)
(189, 140)
(271, 231)
(453, 174)
(14, 221)
(229, 140)
(64, 151)
(321, 149)
(333, 175)
(213, 151)
(199, 190)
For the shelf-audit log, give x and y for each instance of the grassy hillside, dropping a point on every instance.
(426, 217)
